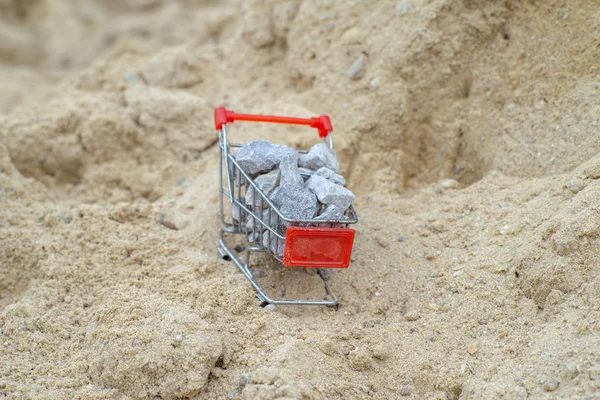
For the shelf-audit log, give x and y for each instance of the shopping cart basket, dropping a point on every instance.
(309, 243)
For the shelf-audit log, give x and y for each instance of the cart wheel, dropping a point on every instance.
(223, 255)
(262, 302)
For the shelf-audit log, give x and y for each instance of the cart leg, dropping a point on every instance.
(330, 294)
(222, 254)
(263, 303)
(322, 274)
(262, 296)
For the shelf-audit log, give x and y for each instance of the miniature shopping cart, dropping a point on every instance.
(309, 243)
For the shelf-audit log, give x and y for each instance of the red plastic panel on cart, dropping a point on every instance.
(318, 247)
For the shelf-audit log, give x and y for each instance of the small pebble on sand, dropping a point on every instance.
(449, 184)
(473, 348)
(383, 242)
(177, 341)
(405, 391)
(357, 69)
(404, 6)
(174, 220)
(576, 185)
(411, 315)
(549, 384)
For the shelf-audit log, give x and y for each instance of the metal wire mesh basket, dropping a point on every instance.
(307, 243)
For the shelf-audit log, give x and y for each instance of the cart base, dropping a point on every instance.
(226, 253)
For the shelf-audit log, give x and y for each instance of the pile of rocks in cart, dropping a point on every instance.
(302, 187)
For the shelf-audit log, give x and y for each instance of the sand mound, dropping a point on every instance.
(467, 129)
(152, 349)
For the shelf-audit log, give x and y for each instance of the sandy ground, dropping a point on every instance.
(470, 138)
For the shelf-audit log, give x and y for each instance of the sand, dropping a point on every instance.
(468, 130)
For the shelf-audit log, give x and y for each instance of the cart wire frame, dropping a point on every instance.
(263, 219)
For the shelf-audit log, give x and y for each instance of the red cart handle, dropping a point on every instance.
(224, 116)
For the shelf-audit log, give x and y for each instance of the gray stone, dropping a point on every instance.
(290, 175)
(267, 183)
(253, 225)
(295, 202)
(332, 212)
(254, 236)
(357, 69)
(250, 223)
(254, 229)
(330, 175)
(277, 244)
(261, 156)
(320, 155)
(236, 211)
(330, 193)
(274, 221)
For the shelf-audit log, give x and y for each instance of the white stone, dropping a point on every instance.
(332, 212)
(320, 155)
(576, 184)
(330, 193)
(295, 202)
(290, 175)
(331, 176)
(266, 183)
(261, 156)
